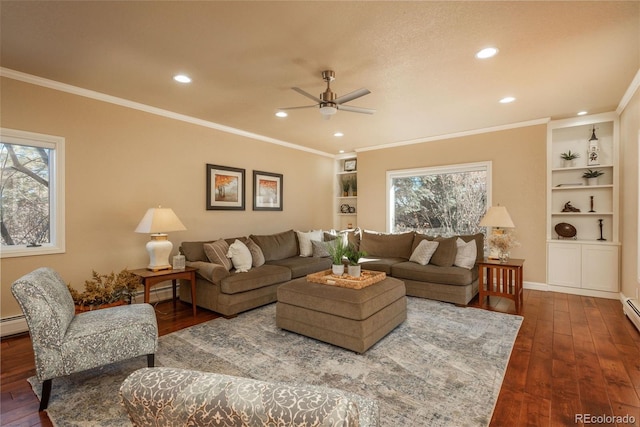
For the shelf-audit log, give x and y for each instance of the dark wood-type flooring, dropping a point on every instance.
(573, 355)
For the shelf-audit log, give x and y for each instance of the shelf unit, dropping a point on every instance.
(344, 220)
(585, 264)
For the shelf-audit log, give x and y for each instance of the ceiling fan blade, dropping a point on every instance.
(297, 108)
(355, 109)
(353, 95)
(307, 94)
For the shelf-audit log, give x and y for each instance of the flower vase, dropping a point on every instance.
(504, 256)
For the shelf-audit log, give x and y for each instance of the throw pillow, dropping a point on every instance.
(240, 256)
(257, 256)
(445, 253)
(217, 253)
(321, 249)
(304, 240)
(466, 255)
(424, 251)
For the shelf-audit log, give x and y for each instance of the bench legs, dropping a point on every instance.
(46, 393)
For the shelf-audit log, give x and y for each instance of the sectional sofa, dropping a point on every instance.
(278, 258)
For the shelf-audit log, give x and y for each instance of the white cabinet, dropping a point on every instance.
(589, 259)
(582, 265)
(346, 194)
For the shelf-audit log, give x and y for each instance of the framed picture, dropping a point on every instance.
(225, 188)
(350, 165)
(267, 191)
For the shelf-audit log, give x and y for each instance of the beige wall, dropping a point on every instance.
(629, 134)
(519, 174)
(120, 162)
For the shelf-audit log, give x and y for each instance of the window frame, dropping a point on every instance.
(56, 191)
(433, 170)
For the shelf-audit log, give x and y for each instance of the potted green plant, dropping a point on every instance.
(105, 290)
(346, 183)
(353, 256)
(337, 250)
(569, 158)
(354, 187)
(592, 176)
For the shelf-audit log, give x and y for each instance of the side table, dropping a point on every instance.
(149, 278)
(502, 279)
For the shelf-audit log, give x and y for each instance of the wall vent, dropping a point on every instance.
(632, 310)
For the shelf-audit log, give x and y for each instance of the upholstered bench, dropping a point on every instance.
(354, 319)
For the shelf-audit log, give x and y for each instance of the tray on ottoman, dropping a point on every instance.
(367, 278)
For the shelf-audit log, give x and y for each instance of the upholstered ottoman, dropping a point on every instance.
(354, 319)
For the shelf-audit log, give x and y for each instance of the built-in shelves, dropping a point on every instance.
(589, 261)
(346, 193)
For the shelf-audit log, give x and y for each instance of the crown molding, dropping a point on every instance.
(631, 90)
(63, 87)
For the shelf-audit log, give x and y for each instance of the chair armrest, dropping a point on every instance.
(214, 273)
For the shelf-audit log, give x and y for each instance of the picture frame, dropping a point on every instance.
(225, 188)
(350, 165)
(267, 191)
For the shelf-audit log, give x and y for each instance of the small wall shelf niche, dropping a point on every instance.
(587, 263)
(346, 193)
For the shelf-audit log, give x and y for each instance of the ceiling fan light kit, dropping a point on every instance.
(329, 103)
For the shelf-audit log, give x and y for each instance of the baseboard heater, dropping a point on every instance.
(632, 310)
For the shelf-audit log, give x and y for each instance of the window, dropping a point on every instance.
(445, 200)
(31, 193)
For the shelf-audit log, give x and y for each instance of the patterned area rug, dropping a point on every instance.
(442, 367)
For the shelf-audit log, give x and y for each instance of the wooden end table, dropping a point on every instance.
(502, 279)
(150, 278)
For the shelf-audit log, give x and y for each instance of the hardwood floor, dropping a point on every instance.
(573, 355)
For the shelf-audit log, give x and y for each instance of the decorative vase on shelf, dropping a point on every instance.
(592, 181)
(354, 270)
(337, 269)
(569, 163)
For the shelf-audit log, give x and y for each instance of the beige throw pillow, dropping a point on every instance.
(466, 255)
(304, 241)
(257, 257)
(240, 256)
(217, 253)
(424, 251)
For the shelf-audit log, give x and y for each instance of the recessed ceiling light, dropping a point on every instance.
(582, 113)
(341, 151)
(487, 52)
(182, 78)
(281, 114)
(507, 99)
(338, 134)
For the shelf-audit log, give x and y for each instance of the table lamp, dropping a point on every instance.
(498, 218)
(158, 221)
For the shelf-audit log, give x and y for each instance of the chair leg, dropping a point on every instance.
(46, 393)
(151, 360)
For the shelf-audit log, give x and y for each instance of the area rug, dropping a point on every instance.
(442, 367)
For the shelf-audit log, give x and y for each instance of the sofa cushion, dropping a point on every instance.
(217, 253)
(434, 274)
(417, 238)
(257, 257)
(321, 249)
(386, 245)
(277, 246)
(241, 257)
(424, 251)
(379, 264)
(304, 241)
(479, 238)
(194, 251)
(445, 253)
(255, 278)
(301, 266)
(466, 253)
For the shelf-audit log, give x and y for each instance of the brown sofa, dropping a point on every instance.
(227, 292)
(440, 279)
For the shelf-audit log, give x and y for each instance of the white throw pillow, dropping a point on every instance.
(424, 251)
(304, 240)
(467, 252)
(240, 256)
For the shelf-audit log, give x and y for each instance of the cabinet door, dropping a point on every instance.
(564, 264)
(600, 267)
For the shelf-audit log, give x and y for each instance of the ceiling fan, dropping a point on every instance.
(329, 103)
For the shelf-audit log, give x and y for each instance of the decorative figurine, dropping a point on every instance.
(600, 223)
(569, 208)
(594, 150)
(591, 210)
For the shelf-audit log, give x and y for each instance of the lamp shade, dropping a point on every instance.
(497, 216)
(159, 220)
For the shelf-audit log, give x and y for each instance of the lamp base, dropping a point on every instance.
(159, 249)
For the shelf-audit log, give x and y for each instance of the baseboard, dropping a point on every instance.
(536, 286)
(17, 324)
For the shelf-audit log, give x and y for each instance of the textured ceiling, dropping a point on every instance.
(417, 59)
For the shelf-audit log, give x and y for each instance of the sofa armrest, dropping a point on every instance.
(210, 271)
(175, 397)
